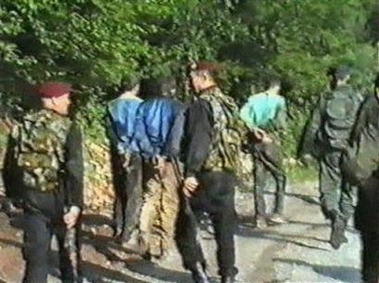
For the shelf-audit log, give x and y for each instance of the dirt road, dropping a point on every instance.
(294, 252)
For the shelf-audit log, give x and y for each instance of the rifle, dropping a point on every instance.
(187, 207)
(71, 245)
(190, 217)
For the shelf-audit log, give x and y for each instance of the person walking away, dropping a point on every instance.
(210, 151)
(331, 126)
(264, 114)
(122, 113)
(158, 138)
(362, 170)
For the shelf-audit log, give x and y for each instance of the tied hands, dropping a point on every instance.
(71, 217)
(159, 163)
(191, 185)
(262, 136)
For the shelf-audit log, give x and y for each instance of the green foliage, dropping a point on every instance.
(96, 44)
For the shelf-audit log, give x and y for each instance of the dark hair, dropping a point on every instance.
(129, 83)
(272, 82)
(157, 87)
(167, 84)
(377, 81)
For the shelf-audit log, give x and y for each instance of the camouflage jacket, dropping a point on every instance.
(332, 121)
(45, 154)
(214, 133)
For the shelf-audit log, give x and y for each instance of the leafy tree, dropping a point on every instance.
(96, 44)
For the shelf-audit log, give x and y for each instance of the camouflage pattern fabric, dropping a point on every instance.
(338, 115)
(338, 111)
(225, 153)
(336, 193)
(160, 208)
(39, 153)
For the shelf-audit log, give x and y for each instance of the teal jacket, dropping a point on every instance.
(264, 111)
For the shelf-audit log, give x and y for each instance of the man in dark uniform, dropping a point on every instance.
(210, 156)
(364, 167)
(330, 127)
(44, 161)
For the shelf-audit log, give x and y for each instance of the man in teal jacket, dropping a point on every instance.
(265, 113)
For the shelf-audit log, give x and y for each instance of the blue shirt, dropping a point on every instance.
(123, 113)
(154, 122)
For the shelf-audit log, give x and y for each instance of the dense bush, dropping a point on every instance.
(96, 44)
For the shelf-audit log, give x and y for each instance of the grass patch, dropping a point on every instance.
(299, 174)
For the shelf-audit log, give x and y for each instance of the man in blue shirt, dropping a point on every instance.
(127, 160)
(158, 137)
(265, 113)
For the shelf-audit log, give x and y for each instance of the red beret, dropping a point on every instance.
(54, 89)
(204, 66)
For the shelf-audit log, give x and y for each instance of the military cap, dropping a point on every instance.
(54, 89)
(342, 72)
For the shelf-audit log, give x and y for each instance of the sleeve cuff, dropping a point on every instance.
(190, 174)
(75, 209)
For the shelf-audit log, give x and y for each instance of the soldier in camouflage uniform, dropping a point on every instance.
(331, 127)
(44, 161)
(211, 148)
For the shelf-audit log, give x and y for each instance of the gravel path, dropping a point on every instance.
(295, 252)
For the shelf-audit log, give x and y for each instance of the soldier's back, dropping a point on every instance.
(39, 149)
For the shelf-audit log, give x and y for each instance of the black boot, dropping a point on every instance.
(227, 279)
(337, 237)
(199, 275)
(229, 276)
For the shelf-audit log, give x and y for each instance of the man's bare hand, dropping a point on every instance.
(160, 165)
(190, 186)
(71, 217)
(267, 139)
(258, 133)
(125, 160)
(159, 162)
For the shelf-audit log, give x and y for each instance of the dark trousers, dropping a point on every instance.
(370, 256)
(215, 196)
(367, 221)
(268, 161)
(43, 218)
(129, 197)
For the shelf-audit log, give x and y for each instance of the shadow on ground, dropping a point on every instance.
(249, 232)
(107, 246)
(341, 273)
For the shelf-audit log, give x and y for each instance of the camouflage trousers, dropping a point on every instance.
(160, 208)
(336, 193)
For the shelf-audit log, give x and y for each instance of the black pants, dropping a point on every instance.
(367, 221)
(43, 218)
(268, 160)
(129, 197)
(216, 197)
